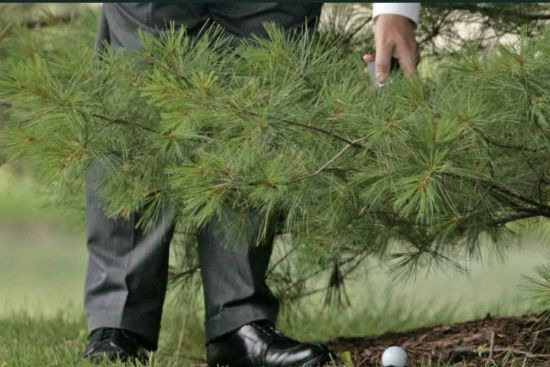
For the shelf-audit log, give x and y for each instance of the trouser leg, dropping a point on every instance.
(127, 269)
(233, 267)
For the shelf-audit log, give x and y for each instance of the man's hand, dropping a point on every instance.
(394, 37)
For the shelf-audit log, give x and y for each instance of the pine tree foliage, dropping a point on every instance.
(29, 29)
(290, 127)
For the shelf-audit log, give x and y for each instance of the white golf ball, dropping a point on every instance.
(394, 357)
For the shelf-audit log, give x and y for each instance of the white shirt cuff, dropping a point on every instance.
(409, 10)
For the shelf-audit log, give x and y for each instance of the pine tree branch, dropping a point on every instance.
(280, 261)
(150, 58)
(123, 122)
(176, 276)
(504, 220)
(324, 131)
(519, 197)
(435, 29)
(349, 35)
(534, 211)
(493, 186)
(314, 274)
(309, 127)
(505, 146)
(333, 159)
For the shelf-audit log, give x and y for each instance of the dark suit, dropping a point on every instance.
(127, 269)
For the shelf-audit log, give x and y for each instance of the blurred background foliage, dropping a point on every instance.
(446, 28)
(42, 252)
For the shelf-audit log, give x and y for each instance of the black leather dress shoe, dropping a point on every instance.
(259, 344)
(115, 345)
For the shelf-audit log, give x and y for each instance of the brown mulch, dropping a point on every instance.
(521, 342)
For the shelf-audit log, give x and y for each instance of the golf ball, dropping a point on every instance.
(394, 357)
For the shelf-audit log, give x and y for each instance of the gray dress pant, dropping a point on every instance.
(127, 268)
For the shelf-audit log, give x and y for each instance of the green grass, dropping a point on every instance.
(59, 340)
(55, 341)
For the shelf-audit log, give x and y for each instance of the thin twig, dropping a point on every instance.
(176, 276)
(491, 348)
(278, 262)
(323, 131)
(333, 159)
(501, 221)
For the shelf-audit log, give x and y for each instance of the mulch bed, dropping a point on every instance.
(519, 342)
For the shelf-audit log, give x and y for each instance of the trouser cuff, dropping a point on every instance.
(127, 320)
(230, 319)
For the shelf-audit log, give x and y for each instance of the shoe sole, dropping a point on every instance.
(318, 361)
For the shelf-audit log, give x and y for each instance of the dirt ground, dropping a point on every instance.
(500, 342)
